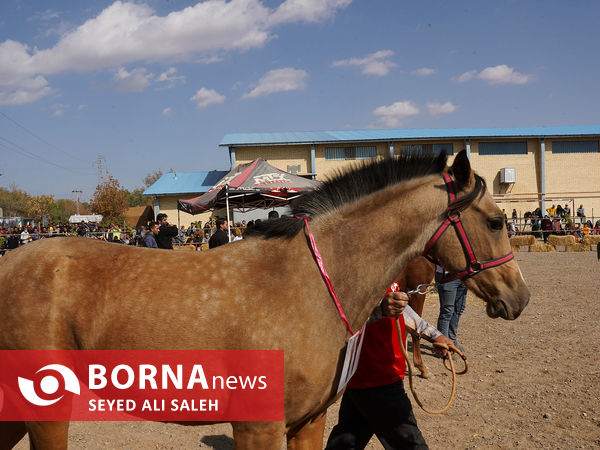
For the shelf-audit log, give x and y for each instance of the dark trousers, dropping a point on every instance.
(384, 411)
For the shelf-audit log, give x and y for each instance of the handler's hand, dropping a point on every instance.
(442, 340)
(393, 304)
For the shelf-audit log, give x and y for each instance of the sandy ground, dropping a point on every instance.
(532, 383)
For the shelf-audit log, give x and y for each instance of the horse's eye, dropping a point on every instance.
(496, 224)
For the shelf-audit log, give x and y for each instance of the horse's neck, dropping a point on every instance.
(372, 240)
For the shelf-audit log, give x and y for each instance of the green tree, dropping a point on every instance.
(135, 198)
(110, 200)
(62, 209)
(13, 201)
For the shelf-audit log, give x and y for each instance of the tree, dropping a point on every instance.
(62, 209)
(37, 207)
(152, 178)
(13, 202)
(135, 198)
(110, 200)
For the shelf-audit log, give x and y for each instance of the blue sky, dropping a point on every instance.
(156, 84)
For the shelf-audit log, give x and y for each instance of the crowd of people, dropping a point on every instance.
(156, 234)
(557, 220)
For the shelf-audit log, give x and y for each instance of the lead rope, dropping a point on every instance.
(451, 349)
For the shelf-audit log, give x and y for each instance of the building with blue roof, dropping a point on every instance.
(525, 167)
(174, 186)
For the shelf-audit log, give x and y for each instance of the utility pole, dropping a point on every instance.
(77, 198)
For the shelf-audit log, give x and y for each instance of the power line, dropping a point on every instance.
(39, 138)
(22, 151)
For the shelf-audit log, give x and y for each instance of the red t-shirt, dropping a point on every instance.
(381, 360)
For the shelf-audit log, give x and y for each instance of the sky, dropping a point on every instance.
(131, 87)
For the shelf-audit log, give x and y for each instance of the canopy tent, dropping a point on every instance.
(253, 185)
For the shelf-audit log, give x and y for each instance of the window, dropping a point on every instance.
(503, 148)
(366, 152)
(574, 146)
(349, 153)
(427, 149)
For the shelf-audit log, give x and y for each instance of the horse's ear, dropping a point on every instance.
(461, 168)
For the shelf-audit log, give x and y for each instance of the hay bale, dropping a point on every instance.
(578, 248)
(525, 239)
(543, 248)
(591, 239)
(515, 249)
(561, 240)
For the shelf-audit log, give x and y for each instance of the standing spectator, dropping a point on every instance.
(551, 211)
(150, 236)
(512, 229)
(559, 211)
(166, 232)
(514, 214)
(546, 228)
(273, 215)
(567, 210)
(453, 300)
(12, 242)
(25, 238)
(581, 214)
(220, 237)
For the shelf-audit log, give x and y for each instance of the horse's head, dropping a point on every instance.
(481, 254)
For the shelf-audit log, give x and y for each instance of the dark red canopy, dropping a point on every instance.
(253, 185)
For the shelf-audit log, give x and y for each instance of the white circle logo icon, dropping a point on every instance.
(49, 385)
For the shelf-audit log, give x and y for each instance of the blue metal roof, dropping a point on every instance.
(307, 137)
(185, 183)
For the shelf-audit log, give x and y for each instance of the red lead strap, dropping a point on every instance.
(317, 255)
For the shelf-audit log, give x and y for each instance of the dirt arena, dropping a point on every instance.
(532, 383)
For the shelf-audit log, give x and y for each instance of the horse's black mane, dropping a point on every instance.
(347, 186)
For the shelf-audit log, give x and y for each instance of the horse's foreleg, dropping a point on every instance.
(11, 433)
(417, 301)
(253, 435)
(48, 435)
(417, 358)
(309, 436)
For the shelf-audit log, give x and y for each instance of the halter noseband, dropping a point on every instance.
(473, 265)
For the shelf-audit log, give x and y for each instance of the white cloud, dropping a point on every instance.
(43, 16)
(307, 10)
(205, 97)
(169, 78)
(131, 32)
(424, 72)
(167, 112)
(377, 63)
(394, 114)
(279, 80)
(501, 74)
(135, 81)
(436, 108)
(466, 76)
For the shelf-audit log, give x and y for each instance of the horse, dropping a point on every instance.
(75, 293)
(418, 271)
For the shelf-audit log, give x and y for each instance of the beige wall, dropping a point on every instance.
(284, 156)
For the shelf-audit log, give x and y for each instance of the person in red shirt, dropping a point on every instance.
(375, 401)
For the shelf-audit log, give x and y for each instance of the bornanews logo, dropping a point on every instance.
(180, 385)
(49, 385)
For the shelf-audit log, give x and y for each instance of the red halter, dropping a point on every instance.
(473, 265)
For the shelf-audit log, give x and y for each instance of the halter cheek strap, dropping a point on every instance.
(473, 265)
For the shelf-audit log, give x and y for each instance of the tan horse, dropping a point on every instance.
(262, 293)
